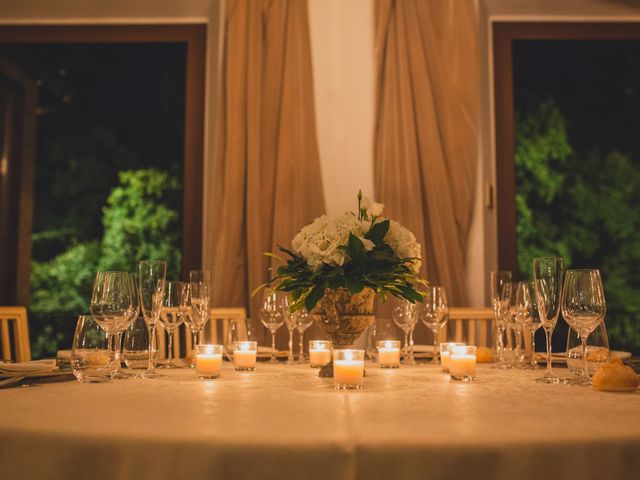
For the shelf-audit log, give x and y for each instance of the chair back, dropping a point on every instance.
(14, 334)
(473, 326)
(215, 331)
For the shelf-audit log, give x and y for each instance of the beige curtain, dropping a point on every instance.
(266, 179)
(426, 134)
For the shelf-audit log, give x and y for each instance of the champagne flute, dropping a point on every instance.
(583, 307)
(404, 315)
(500, 301)
(520, 310)
(200, 296)
(528, 312)
(272, 315)
(171, 316)
(547, 280)
(289, 321)
(151, 277)
(302, 320)
(123, 326)
(434, 314)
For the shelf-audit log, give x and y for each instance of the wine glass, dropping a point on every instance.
(404, 315)
(272, 315)
(291, 325)
(598, 352)
(528, 318)
(171, 314)
(112, 305)
(583, 307)
(302, 320)
(434, 314)
(547, 280)
(123, 326)
(238, 331)
(500, 301)
(151, 278)
(200, 298)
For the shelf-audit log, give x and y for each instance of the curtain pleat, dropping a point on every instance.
(266, 176)
(427, 120)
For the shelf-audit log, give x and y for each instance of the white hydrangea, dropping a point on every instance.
(318, 242)
(403, 243)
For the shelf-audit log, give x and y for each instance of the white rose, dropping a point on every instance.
(403, 243)
(373, 208)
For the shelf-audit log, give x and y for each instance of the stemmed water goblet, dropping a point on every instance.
(200, 299)
(434, 313)
(275, 307)
(547, 280)
(405, 316)
(500, 302)
(151, 278)
(123, 326)
(583, 307)
(302, 319)
(171, 314)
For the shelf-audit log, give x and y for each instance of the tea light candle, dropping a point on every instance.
(389, 353)
(208, 361)
(244, 355)
(348, 369)
(445, 350)
(319, 353)
(462, 363)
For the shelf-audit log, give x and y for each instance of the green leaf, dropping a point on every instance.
(314, 296)
(357, 251)
(353, 285)
(377, 232)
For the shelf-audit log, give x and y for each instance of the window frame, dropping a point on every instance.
(504, 33)
(194, 35)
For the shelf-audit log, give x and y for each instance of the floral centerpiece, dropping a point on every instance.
(353, 251)
(338, 265)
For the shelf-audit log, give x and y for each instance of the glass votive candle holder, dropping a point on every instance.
(244, 356)
(348, 369)
(445, 351)
(208, 360)
(389, 353)
(462, 363)
(319, 353)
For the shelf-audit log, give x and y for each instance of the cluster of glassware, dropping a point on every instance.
(117, 300)
(523, 307)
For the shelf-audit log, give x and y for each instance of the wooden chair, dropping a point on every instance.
(474, 326)
(14, 334)
(215, 331)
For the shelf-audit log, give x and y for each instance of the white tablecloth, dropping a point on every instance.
(284, 422)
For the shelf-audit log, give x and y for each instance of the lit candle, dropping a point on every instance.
(389, 353)
(319, 353)
(348, 369)
(208, 361)
(445, 351)
(462, 363)
(244, 355)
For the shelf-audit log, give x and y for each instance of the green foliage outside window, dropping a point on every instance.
(141, 221)
(581, 206)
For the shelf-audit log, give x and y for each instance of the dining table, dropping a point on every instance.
(285, 422)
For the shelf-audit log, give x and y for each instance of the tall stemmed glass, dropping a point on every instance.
(405, 316)
(527, 317)
(171, 315)
(302, 320)
(500, 302)
(151, 278)
(434, 314)
(547, 280)
(200, 296)
(583, 307)
(272, 314)
(122, 327)
(111, 306)
(289, 321)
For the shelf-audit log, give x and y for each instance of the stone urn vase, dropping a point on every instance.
(343, 317)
